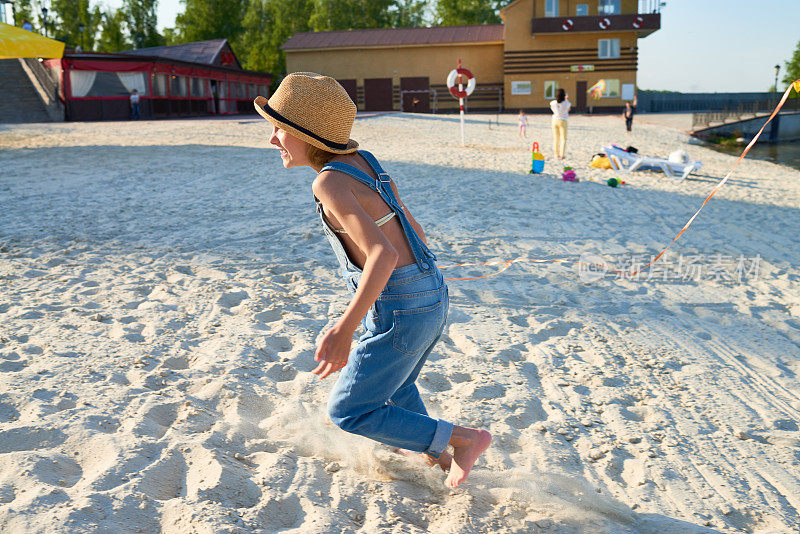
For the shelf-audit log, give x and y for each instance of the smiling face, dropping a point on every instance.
(294, 151)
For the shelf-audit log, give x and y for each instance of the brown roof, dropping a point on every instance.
(395, 37)
(206, 52)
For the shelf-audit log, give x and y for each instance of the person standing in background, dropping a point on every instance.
(560, 107)
(630, 111)
(135, 105)
(522, 122)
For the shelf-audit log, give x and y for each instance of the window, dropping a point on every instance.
(521, 88)
(607, 48)
(612, 89)
(550, 89)
(198, 86)
(609, 7)
(550, 8)
(178, 86)
(263, 90)
(159, 82)
(582, 10)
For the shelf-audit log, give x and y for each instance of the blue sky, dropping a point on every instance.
(702, 46)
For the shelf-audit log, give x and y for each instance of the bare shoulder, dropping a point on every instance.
(329, 183)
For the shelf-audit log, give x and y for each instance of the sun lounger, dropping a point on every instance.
(623, 161)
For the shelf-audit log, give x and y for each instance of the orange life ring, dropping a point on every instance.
(604, 23)
(567, 25)
(638, 21)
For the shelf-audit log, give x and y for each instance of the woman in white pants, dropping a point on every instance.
(560, 107)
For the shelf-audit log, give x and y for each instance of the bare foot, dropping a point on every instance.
(468, 444)
(443, 462)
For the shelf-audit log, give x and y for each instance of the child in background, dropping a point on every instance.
(522, 122)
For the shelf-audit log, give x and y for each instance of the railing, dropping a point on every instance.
(644, 23)
(45, 86)
(745, 110)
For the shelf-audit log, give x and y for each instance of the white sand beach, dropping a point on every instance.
(163, 284)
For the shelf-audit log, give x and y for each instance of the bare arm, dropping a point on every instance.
(335, 194)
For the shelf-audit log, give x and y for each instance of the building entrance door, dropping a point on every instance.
(415, 102)
(378, 94)
(580, 96)
(352, 89)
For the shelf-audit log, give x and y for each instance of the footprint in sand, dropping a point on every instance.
(220, 478)
(57, 470)
(556, 328)
(8, 410)
(434, 381)
(232, 299)
(164, 479)
(155, 420)
(281, 513)
(281, 372)
(176, 363)
(13, 365)
(30, 438)
(268, 316)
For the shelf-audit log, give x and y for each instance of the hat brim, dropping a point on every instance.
(262, 106)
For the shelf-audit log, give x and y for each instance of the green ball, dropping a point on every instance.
(613, 182)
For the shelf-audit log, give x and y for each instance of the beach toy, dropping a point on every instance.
(569, 175)
(613, 182)
(537, 159)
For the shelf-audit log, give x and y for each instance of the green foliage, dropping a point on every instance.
(267, 25)
(350, 14)
(67, 17)
(23, 10)
(112, 36)
(202, 20)
(458, 12)
(142, 22)
(171, 36)
(408, 13)
(792, 68)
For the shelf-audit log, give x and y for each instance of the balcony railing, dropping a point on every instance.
(642, 23)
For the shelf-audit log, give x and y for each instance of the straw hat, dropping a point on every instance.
(313, 108)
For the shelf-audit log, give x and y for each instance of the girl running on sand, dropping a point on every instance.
(399, 295)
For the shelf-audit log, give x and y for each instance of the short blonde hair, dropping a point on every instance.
(318, 156)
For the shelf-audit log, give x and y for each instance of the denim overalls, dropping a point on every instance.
(375, 395)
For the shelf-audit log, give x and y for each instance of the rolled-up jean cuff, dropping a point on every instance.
(444, 429)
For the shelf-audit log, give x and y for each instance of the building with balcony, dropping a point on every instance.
(541, 46)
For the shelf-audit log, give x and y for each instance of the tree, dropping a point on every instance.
(351, 14)
(458, 12)
(408, 13)
(69, 15)
(23, 10)
(793, 67)
(112, 36)
(202, 20)
(267, 25)
(142, 22)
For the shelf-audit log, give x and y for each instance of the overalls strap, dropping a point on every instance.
(423, 256)
(354, 172)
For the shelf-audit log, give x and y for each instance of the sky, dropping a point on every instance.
(702, 46)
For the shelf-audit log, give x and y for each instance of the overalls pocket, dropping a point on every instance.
(415, 329)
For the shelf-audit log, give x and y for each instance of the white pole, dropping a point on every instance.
(461, 102)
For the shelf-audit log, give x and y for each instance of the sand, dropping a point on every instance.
(164, 283)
